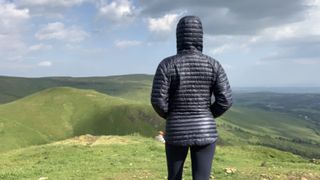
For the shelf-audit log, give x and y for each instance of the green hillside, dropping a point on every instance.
(135, 86)
(136, 157)
(62, 112)
(279, 130)
(302, 106)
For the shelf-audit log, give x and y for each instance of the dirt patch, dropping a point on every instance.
(91, 95)
(90, 140)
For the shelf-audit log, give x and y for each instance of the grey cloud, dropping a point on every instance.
(232, 17)
(297, 48)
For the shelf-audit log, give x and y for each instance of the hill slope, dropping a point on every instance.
(135, 86)
(136, 157)
(283, 131)
(62, 112)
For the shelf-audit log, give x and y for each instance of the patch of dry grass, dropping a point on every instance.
(90, 140)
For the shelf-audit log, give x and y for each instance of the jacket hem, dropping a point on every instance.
(195, 142)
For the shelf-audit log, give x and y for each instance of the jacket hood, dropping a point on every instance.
(189, 34)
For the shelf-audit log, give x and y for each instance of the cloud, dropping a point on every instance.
(49, 8)
(118, 11)
(11, 17)
(295, 42)
(162, 27)
(307, 61)
(220, 49)
(225, 44)
(45, 63)
(226, 17)
(50, 3)
(59, 31)
(39, 47)
(162, 24)
(12, 25)
(299, 41)
(126, 43)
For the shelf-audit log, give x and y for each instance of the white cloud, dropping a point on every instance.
(12, 24)
(38, 47)
(45, 63)
(48, 8)
(126, 43)
(50, 3)
(117, 11)
(11, 17)
(57, 30)
(163, 27)
(162, 24)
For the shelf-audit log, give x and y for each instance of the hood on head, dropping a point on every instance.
(189, 34)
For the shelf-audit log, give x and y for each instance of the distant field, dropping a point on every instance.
(272, 129)
(136, 87)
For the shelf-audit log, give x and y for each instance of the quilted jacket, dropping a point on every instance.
(184, 87)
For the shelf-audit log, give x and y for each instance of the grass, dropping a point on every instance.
(275, 124)
(138, 157)
(62, 112)
(278, 130)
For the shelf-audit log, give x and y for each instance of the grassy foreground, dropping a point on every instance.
(137, 157)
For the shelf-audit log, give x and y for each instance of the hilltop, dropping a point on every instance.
(137, 157)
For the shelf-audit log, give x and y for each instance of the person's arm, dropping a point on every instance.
(222, 93)
(160, 91)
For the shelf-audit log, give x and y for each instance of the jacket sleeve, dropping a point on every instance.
(160, 91)
(222, 93)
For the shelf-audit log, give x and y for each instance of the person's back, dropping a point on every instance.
(183, 86)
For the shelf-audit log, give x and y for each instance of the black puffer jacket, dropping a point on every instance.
(183, 86)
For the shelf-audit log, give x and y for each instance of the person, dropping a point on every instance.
(182, 91)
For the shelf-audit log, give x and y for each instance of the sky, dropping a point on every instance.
(259, 43)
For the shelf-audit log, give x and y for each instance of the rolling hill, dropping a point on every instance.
(283, 131)
(135, 86)
(63, 112)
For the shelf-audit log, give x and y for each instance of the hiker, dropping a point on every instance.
(181, 93)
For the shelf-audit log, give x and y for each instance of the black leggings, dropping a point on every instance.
(201, 159)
